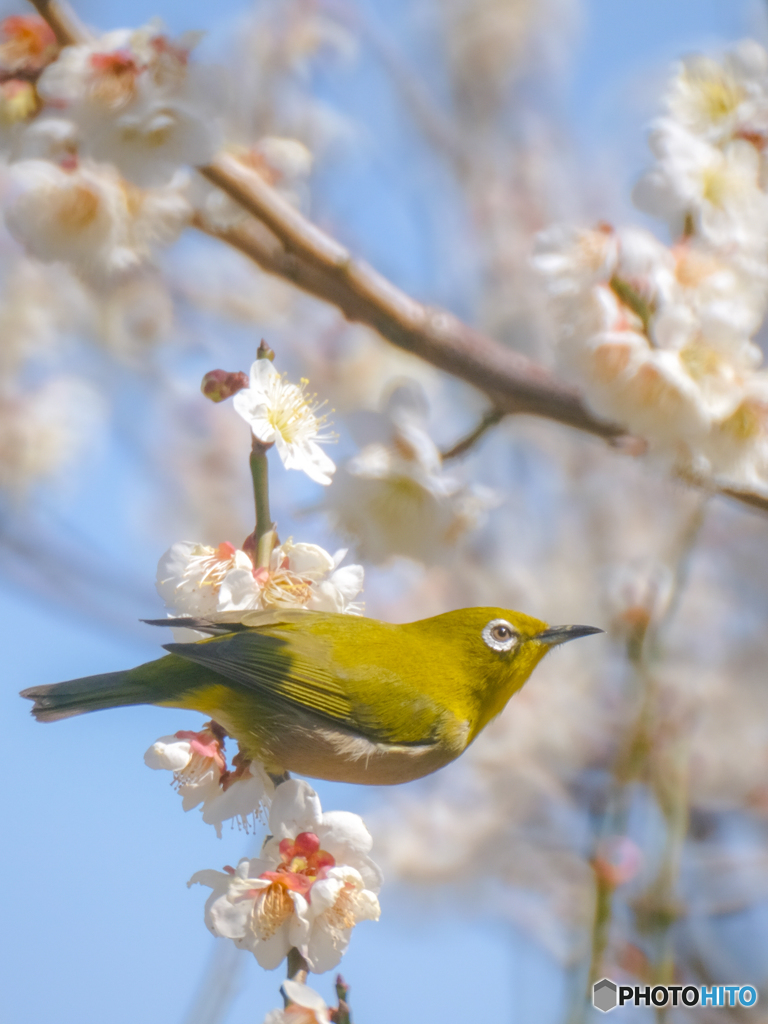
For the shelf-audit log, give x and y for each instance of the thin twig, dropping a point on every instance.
(490, 419)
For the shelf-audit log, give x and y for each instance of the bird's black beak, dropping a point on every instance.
(555, 635)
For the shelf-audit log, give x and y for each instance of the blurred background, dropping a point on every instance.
(614, 817)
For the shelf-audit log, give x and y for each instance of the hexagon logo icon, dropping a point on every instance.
(604, 995)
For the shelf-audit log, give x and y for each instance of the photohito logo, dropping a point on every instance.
(607, 995)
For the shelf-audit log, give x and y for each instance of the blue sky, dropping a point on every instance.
(99, 925)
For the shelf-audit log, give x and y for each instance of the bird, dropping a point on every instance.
(333, 696)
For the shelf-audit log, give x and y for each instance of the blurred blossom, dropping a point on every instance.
(493, 43)
(202, 581)
(87, 216)
(395, 499)
(27, 44)
(137, 101)
(133, 315)
(637, 595)
(661, 344)
(287, 159)
(662, 337)
(718, 189)
(201, 776)
(48, 138)
(282, 414)
(18, 102)
(305, 1006)
(311, 885)
(718, 100)
(44, 429)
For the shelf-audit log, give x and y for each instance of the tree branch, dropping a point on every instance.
(319, 264)
(65, 26)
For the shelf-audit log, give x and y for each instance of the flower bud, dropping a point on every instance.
(220, 384)
(617, 860)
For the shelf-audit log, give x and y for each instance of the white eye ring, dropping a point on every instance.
(499, 635)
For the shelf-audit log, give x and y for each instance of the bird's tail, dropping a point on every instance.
(151, 683)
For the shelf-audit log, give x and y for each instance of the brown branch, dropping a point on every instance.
(513, 383)
(300, 252)
(65, 26)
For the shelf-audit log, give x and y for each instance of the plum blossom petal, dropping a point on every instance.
(201, 776)
(305, 1006)
(282, 414)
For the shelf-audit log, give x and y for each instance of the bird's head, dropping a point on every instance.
(499, 649)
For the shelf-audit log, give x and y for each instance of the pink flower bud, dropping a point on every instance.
(617, 860)
(220, 384)
(265, 352)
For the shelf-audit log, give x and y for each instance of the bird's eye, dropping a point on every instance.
(499, 635)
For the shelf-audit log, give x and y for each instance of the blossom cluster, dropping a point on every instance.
(97, 135)
(314, 879)
(661, 336)
(205, 582)
(312, 883)
(100, 137)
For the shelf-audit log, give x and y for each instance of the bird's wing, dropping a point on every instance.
(228, 622)
(294, 670)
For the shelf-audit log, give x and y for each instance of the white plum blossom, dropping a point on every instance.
(84, 214)
(288, 159)
(302, 575)
(206, 582)
(201, 777)
(305, 1006)
(189, 576)
(720, 99)
(709, 174)
(137, 102)
(27, 44)
(49, 138)
(715, 191)
(661, 339)
(282, 414)
(152, 139)
(573, 259)
(312, 883)
(394, 497)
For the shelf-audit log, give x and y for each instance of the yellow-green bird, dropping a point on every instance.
(334, 696)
